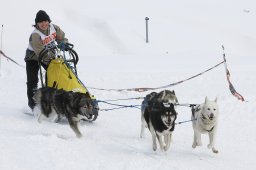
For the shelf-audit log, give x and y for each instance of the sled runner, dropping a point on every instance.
(61, 73)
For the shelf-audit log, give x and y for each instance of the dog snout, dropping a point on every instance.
(211, 116)
(90, 110)
(169, 121)
(95, 109)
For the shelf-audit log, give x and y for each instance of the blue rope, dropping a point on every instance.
(136, 106)
(178, 123)
(135, 98)
(117, 108)
(101, 101)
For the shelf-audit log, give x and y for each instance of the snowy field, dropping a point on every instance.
(185, 38)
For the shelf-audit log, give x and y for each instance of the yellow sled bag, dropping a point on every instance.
(60, 76)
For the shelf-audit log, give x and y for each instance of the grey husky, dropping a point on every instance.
(54, 104)
(159, 115)
(205, 118)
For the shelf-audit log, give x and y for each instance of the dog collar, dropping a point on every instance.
(210, 129)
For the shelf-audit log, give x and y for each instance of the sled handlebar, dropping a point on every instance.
(68, 47)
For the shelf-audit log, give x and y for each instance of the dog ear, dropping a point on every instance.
(173, 92)
(176, 100)
(216, 99)
(87, 95)
(206, 100)
(161, 96)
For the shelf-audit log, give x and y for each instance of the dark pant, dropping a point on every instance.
(32, 69)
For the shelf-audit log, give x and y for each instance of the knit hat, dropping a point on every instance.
(42, 16)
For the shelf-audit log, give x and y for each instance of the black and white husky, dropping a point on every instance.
(54, 104)
(159, 115)
(205, 118)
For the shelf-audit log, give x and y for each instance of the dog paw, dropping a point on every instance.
(199, 143)
(40, 118)
(215, 150)
(194, 145)
(79, 135)
(154, 147)
(166, 148)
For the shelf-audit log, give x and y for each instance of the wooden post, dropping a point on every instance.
(146, 19)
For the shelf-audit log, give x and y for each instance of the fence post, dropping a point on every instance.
(146, 19)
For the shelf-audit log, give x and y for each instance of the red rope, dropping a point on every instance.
(231, 87)
(8, 58)
(143, 89)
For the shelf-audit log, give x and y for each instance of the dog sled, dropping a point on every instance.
(61, 72)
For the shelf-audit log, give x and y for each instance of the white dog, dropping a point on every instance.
(205, 121)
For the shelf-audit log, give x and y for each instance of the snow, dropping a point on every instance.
(185, 38)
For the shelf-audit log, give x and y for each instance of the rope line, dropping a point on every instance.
(136, 106)
(115, 108)
(185, 121)
(8, 58)
(119, 105)
(143, 89)
(231, 87)
(135, 98)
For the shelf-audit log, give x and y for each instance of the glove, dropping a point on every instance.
(63, 46)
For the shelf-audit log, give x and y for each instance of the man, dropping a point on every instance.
(44, 35)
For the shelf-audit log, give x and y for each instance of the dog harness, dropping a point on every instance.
(210, 129)
(204, 118)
